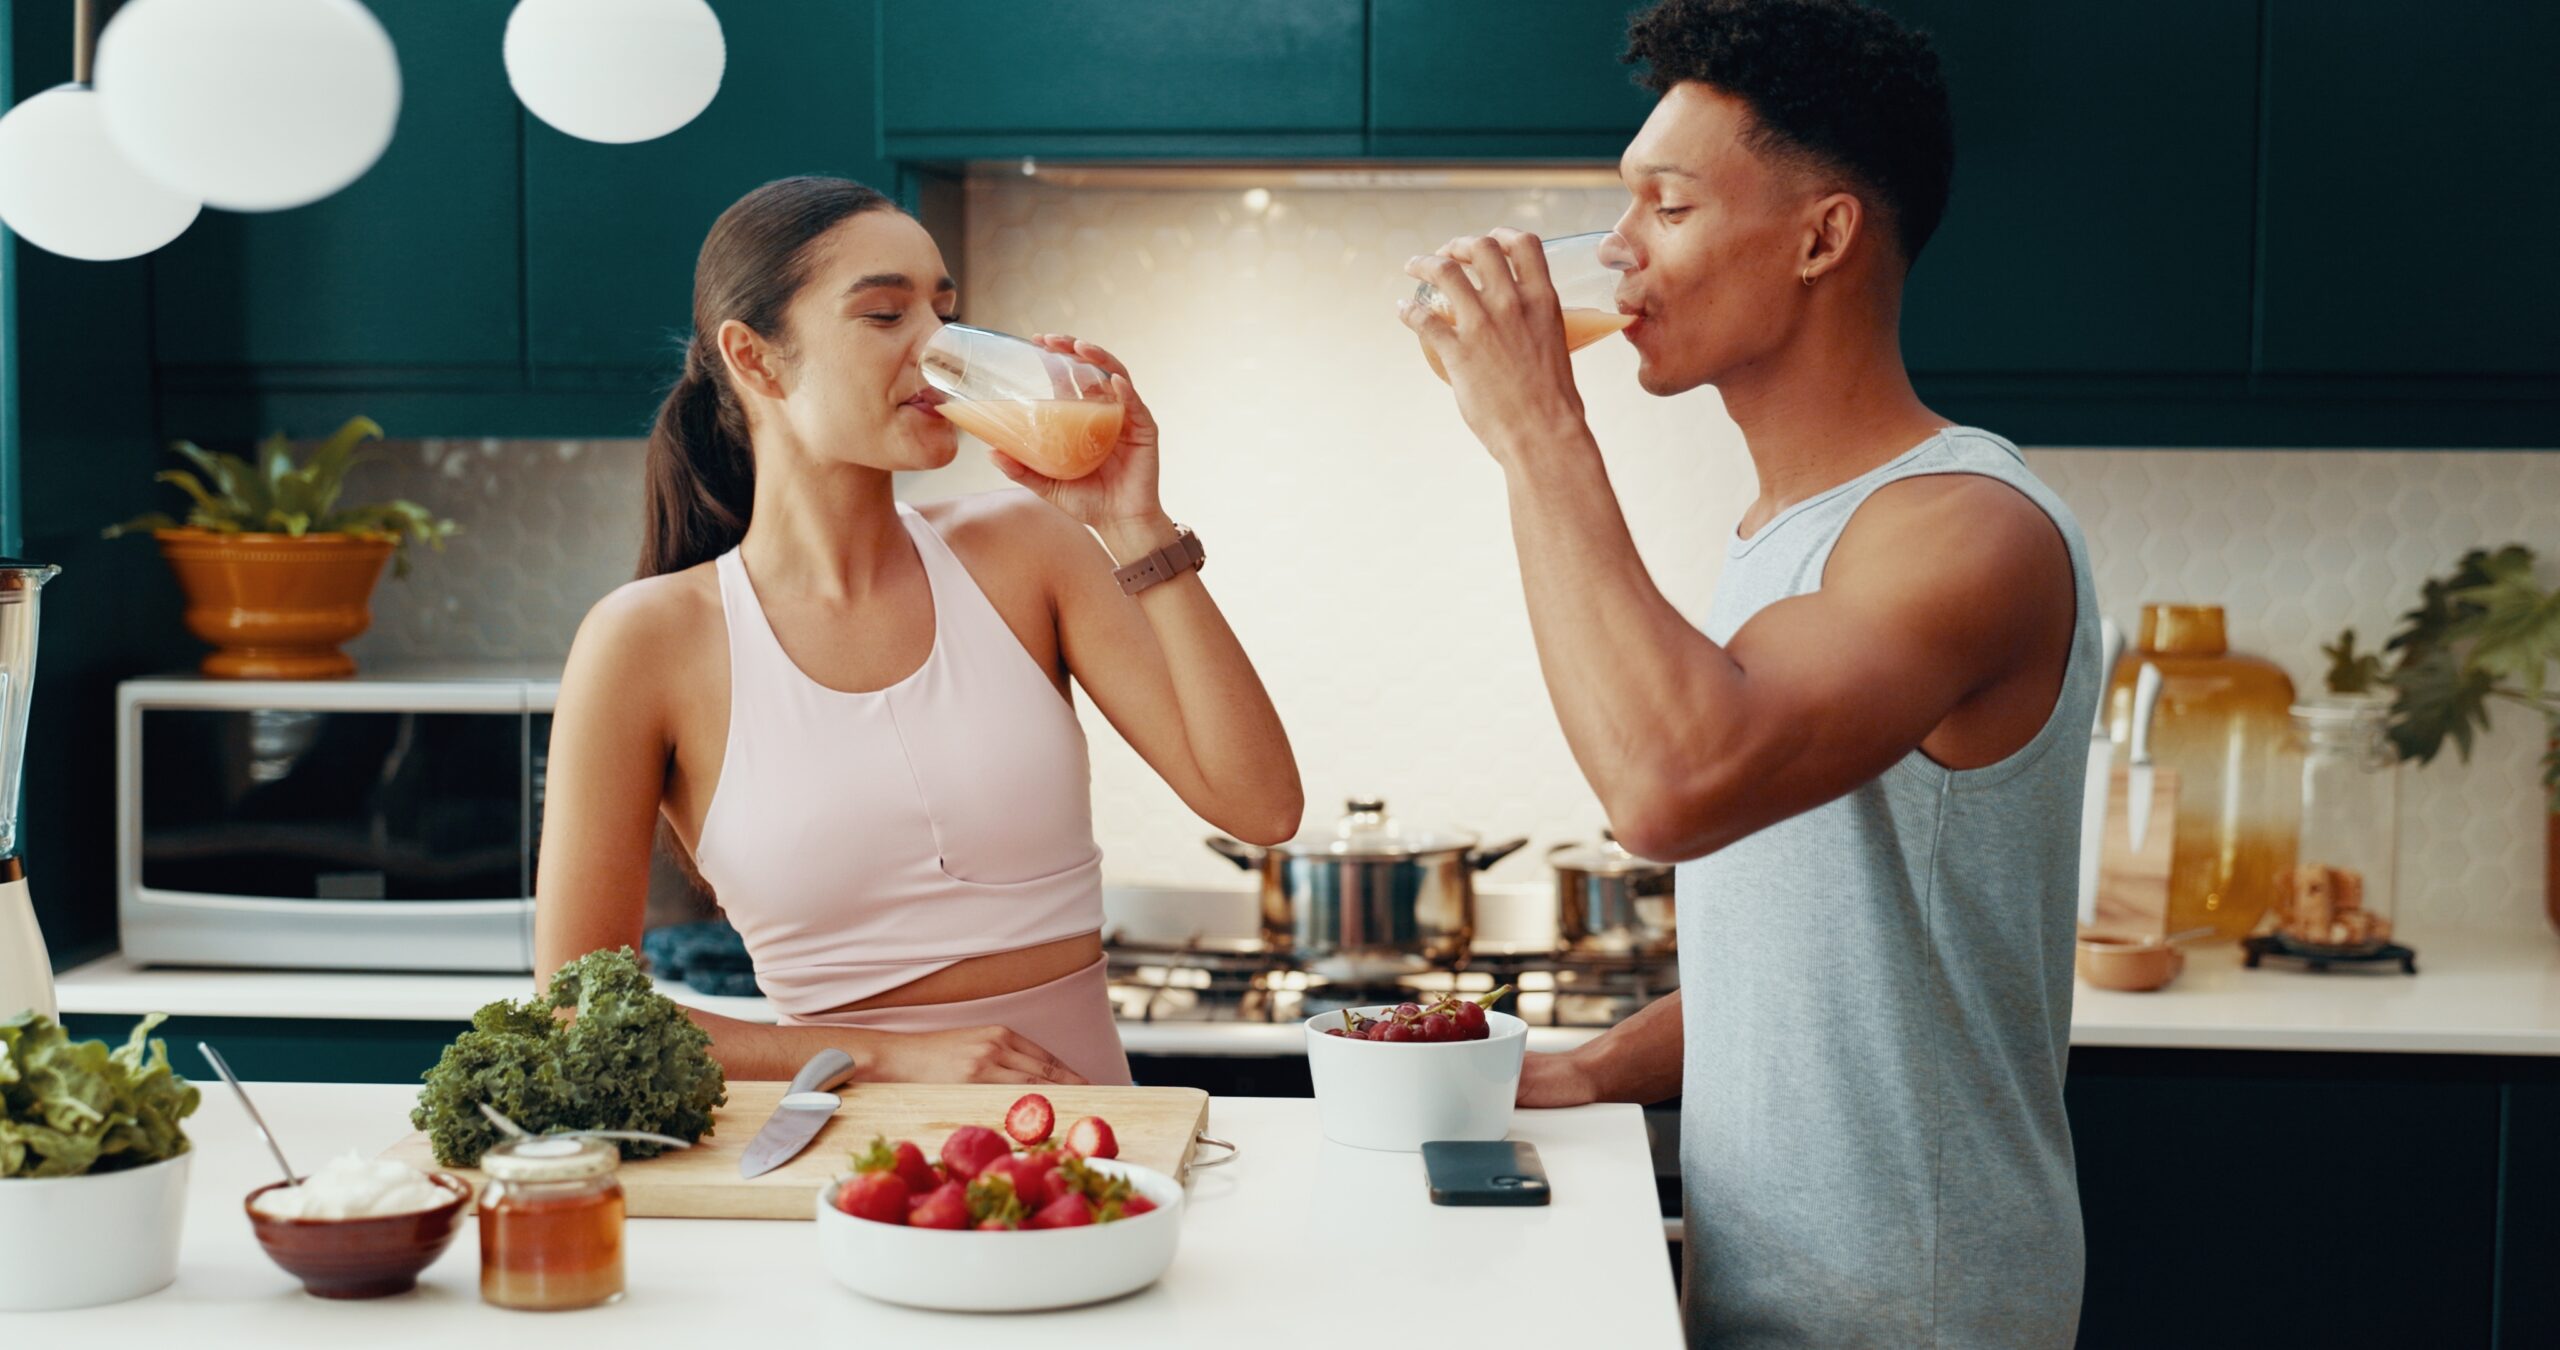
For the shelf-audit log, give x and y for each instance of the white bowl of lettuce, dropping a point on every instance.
(93, 1166)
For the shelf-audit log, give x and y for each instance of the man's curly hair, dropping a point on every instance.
(1832, 83)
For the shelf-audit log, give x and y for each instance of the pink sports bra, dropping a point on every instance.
(860, 841)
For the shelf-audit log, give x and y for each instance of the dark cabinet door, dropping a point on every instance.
(963, 78)
(2105, 160)
(2529, 1217)
(1449, 77)
(413, 266)
(611, 231)
(2247, 1199)
(2410, 188)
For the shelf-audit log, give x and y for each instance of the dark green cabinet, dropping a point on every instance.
(1543, 81)
(413, 267)
(963, 79)
(2102, 211)
(2410, 189)
(2529, 1218)
(611, 231)
(2247, 1199)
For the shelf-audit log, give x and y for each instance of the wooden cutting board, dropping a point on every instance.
(1156, 1127)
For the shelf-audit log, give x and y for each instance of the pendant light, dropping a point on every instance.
(65, 188)
(615, 71)
(251, 105)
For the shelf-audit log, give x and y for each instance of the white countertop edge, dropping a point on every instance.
(2478, 993)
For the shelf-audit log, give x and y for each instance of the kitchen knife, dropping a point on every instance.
(801, 1115)
(2137, 788)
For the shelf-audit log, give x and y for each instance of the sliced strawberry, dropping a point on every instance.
(1091, 1137)
(970, 1148)
(878, 1196)
(1031, 1119)
(947, 1207)
(1067, 1211)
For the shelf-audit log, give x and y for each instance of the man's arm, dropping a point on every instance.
(1638, 1060)
(1940, 587)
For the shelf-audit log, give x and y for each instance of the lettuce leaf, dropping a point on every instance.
(69, 1108)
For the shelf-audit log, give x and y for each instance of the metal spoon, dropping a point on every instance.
(514, 1131)
(214, 1057)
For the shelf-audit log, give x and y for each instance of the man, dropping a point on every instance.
(1871, 759)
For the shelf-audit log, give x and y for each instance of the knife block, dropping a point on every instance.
(2133, 885)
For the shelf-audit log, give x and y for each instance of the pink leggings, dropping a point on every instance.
(1070, 1017)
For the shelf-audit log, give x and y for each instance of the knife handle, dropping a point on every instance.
(825, 1069)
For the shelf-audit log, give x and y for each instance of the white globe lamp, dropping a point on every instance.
(249, 105)
(615, 71)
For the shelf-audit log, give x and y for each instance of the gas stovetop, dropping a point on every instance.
(1247, 982)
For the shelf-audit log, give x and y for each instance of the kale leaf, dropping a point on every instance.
(630, 1060)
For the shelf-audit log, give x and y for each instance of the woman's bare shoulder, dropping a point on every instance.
(1010, 527)
(652, 623)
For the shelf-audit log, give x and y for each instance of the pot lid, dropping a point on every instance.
(1608, 858)
(1367, 831)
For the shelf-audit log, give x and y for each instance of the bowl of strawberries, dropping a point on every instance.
(1000, 1222)
(1394, 1076)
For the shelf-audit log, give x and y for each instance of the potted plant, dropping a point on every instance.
(277, 574)
(2486, 633)
(93, 1166)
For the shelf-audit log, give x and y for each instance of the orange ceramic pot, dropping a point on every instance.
(276, 606)
(2225, 723)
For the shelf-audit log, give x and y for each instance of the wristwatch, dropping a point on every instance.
(1184, 554)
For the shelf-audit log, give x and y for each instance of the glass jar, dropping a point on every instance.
(2225, 724)
(2339, 897)
(551, 1224)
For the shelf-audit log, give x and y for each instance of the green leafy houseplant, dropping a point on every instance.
(272, 494)
(2486, 632)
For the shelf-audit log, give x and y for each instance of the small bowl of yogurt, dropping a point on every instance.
(359, 1227)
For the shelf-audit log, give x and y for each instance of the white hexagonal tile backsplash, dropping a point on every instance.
(1358, 540)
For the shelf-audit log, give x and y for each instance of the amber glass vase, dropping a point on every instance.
(2225, 724)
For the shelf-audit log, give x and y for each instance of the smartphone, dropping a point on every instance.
(1473, 1172)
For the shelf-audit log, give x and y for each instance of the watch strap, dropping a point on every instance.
(1184, 554)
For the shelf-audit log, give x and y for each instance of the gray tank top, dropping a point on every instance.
(1877, 1000)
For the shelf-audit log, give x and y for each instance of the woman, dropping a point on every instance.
(854, 714)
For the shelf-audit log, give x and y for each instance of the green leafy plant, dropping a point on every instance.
(69, 1108)
(2486, 632)
(629, 1060)
(274, 494)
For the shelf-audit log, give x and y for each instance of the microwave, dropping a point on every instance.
(381, 822)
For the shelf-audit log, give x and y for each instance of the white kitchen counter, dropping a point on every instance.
(2495, 994)
(1276, 1251)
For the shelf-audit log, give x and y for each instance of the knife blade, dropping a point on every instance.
(2146, 700)
(802, 1113)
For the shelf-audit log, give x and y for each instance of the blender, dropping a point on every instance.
(26, 972)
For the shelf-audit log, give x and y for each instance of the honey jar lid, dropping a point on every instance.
(550, 1158)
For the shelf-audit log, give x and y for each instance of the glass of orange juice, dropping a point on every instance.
(1054, 413)
(1585, 270)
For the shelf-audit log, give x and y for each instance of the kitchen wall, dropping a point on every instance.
(1358, 539)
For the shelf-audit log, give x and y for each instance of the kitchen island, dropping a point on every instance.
(1279, 1248)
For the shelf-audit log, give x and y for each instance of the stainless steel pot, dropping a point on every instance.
(1610, 900)
(1368, 899)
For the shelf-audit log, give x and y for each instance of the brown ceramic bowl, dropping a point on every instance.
(361, 1258)
(2130, 965)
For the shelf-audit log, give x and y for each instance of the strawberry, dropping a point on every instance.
(970, 1148)
(903, 1159)
(947, 1207)
(1067, 1211)
(1029, 1179)
(1091, 1137)
(1030, 1119)
(878, 1196)
(997, 1225)
(1136, 1205)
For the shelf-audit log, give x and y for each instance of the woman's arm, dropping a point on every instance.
(611, 743)
(1163, 666)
